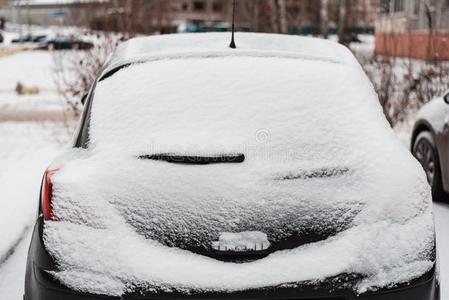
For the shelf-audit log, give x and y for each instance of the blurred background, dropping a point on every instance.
(51, 51)
(402, 44)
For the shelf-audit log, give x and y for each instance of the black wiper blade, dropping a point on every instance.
(196, 159)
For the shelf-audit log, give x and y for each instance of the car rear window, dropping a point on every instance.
(204, 106)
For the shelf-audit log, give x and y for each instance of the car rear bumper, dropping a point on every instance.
(40, 285)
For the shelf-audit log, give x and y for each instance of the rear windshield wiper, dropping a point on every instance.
(196, 159)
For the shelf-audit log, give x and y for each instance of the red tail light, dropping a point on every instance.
(47, 193)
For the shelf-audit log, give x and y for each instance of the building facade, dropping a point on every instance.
(52, 12)
(149, 16)
(413, 28)
(5, 3)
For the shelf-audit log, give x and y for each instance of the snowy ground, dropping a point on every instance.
(27, 149)
(31, 69)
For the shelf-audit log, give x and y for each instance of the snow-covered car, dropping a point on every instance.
(29, 38)
(430, 144)
(201, 171)
(65, 43)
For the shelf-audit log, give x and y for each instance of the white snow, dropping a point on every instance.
(31, 69)
(12, 272)
(216, 44)
(290, 117)
(366, 45)
(436, 112)
(27, 149)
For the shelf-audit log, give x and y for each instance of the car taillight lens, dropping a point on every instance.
(47, 193)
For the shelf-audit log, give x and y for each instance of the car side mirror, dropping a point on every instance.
(83, 99)
(446, 97)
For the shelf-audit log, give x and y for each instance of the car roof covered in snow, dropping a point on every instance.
(187, 45)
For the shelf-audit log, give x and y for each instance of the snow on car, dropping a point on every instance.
(263, 170)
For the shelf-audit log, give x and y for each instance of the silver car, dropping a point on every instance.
(430, 144)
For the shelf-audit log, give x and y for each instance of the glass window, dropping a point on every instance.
(432, 4)
(217, 6)
(386, 6)
(398, 5)
(199, 5)
(296, 9)
(416, 7)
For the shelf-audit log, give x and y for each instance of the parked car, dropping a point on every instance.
(66, 44)
(430, 144)
(202, 172)
(29, 38)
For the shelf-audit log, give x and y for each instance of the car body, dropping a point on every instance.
(200, 171)
(65, 43)
(29, 38)
(430, 144)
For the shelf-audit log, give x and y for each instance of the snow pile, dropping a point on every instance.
(318, 156)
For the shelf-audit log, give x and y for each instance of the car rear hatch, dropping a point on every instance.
(323, 188)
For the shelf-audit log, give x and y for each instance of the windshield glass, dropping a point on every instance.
(234, 105)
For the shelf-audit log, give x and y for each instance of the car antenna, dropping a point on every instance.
(232, 45)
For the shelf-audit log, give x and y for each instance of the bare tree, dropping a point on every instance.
(404, 84)
(283, 25)
(324, 18)
(75, 71)
(342, 21)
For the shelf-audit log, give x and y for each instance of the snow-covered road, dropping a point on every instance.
(12, 272)
(26, 150)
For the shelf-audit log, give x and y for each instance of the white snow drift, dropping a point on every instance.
(318, 153)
